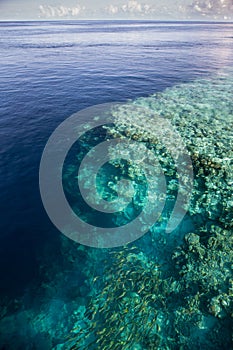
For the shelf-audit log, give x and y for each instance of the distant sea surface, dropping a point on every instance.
(50, 70)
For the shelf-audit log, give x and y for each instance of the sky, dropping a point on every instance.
(221, 10)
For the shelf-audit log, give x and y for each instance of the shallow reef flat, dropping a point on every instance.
(181, 298)
(202, 114)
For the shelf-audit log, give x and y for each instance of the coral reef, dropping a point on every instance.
(185, 301)
(202, 113)
(125, 313)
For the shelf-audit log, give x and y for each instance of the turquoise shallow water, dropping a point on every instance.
(165, 290)
(173, 290)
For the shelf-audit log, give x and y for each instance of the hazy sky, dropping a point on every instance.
(120, 9)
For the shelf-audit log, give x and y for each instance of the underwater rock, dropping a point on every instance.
(192, 239)
(213, 271)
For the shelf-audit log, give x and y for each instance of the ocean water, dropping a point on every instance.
(59, 294)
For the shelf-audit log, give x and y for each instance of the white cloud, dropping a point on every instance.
(111, 9)
(217, 8)
(197, 8)
(132, 7)
(60, 11)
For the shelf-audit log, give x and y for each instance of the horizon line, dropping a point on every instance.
(118, 19)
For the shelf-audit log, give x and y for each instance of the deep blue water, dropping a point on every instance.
(49, 70)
